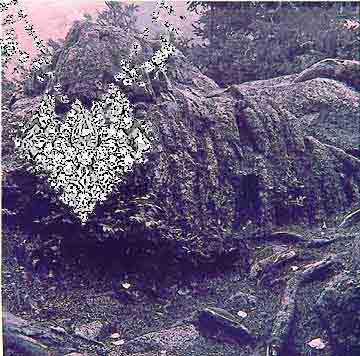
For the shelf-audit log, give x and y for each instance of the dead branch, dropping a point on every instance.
(34, 339)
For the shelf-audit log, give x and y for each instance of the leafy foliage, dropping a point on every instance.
(244, 41)
(119, 15)
(87, 17)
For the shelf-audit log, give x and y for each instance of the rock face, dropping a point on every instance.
(339, 69)
(90, 46)
(338, 309)
(220, 167)
(331, 124)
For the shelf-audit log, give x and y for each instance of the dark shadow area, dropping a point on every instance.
(248, 202)
(152, 268)
(354, 152)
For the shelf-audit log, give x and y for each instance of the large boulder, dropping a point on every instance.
(90, 58)
(221, 166)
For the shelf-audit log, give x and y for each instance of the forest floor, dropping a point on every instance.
(142, 294)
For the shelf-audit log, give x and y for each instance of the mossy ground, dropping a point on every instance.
(162, 291)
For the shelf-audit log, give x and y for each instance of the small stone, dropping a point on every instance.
(294, 268)
(242, 314)
(118, 342)
(91, 330)
(115, 336)
(183, 291)
(317, 344)
(58, 329)
(35, 262)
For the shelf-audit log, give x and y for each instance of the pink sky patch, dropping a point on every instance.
(53, 18)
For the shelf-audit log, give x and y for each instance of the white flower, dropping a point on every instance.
(113, 156)
(157, 60)
(133, 73)
(148, 67)
(119, 76)
(68, 168)
(112, 131)
(112, 159)
(48, 148)
(127, 81)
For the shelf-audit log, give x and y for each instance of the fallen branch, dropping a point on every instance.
(286, 236)
(27, 338)
(24, 345)
(23, 337)
(319, 242)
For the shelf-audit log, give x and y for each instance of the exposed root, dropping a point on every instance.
(293, 238)
(319, 242)
(279, 236)
(268, 265)
(286, 236)
(351, 219)
(285, 316)
(88, 339)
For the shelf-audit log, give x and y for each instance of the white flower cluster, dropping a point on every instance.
(87, 155)
(9, 45)
(131, 76)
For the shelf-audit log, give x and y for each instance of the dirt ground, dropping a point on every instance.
(141, 292)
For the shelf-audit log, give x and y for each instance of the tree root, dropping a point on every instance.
(343, 70)
(293, 238)
(267, 265)
(280, 236)
(324, 242)
(350, 219)
(286, 236)
(285, 316)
